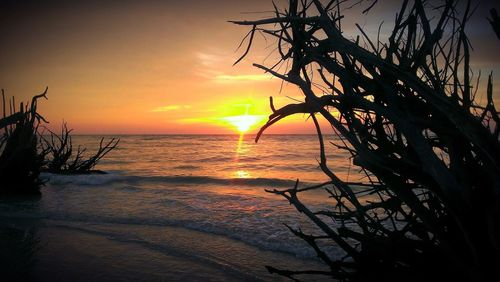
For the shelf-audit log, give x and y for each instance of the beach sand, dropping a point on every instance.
(49, 250)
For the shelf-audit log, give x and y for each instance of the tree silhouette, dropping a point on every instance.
(20, 160)
(62, 159)
(25, 152)
(406, 109)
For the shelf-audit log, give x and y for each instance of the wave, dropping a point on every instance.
(215, 159)
(276, 237)
(166, 248)
(186, 167)
(103, 179)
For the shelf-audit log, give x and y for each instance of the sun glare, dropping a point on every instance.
(243, 123)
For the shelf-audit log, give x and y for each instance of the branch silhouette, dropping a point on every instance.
(407, 111)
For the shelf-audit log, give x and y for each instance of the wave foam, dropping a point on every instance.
(101, 179)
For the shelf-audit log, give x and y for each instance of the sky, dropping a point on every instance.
(161, 67)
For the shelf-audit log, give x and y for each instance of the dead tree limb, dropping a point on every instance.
(408, 115)
(62, 159)
(495, 22)
(20, 159)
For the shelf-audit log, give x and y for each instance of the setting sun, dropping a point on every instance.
(243, 122)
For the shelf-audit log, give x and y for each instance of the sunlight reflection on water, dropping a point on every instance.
(286, 157)
(241, 149)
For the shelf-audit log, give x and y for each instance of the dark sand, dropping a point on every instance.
(48, 250)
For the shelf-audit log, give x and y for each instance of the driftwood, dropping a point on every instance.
(429, 207)
(62, 159)
(25, 152)
(20, 160)
(495, 22)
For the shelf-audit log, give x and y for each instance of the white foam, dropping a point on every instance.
(81, 179)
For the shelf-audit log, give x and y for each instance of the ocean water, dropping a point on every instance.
(199, 186)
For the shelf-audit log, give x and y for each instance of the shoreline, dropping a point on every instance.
(76, 251)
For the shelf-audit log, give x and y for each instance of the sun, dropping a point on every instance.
(243, 123)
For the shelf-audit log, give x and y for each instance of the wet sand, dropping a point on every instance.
(72, 251)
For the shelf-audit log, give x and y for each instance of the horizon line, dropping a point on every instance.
(177, 134)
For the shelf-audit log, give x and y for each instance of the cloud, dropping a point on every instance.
(171, 108)
(207, 59)
(215, 67)
(224, 78)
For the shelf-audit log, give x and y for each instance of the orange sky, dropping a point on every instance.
(150, 66)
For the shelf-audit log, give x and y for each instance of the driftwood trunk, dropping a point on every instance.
(20, 160)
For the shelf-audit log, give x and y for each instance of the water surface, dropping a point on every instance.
(200, 199)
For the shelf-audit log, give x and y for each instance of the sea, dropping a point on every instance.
(177, 207)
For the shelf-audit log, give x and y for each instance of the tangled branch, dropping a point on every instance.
(409, 116)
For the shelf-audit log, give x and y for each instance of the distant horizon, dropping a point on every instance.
(191, 134)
